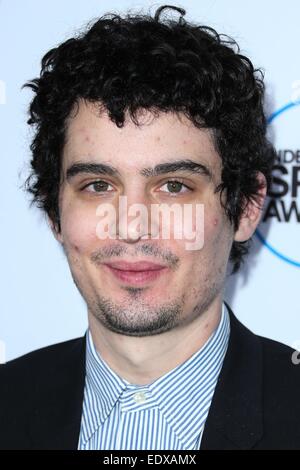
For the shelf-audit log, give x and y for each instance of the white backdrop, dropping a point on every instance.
(39, 302)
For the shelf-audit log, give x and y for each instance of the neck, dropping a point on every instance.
(142, 360)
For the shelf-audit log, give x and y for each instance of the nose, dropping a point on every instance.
(135, 221)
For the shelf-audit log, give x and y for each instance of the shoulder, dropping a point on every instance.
(280, 362)
(45, 353)
(30, 384)
(278, 357)
(280, 397)
(41, 363)
(281, 369)
(267, 375)
(275, 357)
(275, 365)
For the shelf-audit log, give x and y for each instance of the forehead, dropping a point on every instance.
(92, 136)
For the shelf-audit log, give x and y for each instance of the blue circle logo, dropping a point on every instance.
(258, 234)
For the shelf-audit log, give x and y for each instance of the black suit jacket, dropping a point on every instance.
(256, 404)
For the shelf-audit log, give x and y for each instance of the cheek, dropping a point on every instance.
(211, 227)
(209, 230)
(215, 233)
(219, 240)
(79, 230)
(215, 239)
(201, 221)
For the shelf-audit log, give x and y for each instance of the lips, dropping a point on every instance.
(136, 273)
(137, 266)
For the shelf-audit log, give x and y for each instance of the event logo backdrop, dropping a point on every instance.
(279, 227)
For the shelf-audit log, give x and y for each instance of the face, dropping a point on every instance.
(141, 304)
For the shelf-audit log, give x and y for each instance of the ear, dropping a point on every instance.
(252, 213)
(54, 229)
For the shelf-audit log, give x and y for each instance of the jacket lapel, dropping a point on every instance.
(235, 416)
(56, 416)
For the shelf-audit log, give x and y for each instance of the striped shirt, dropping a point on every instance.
(168, 414)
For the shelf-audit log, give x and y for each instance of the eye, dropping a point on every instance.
(96, 187)
(174, 186)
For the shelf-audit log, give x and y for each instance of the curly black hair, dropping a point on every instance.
(147, 62)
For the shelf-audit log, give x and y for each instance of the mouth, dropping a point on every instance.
(136, 273)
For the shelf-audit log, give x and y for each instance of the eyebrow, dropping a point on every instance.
(160, 169)
(90, 168)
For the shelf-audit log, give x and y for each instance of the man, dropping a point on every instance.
(151, 112)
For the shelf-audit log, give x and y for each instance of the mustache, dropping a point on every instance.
(116, 251)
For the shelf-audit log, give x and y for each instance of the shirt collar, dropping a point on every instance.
(181, 394)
